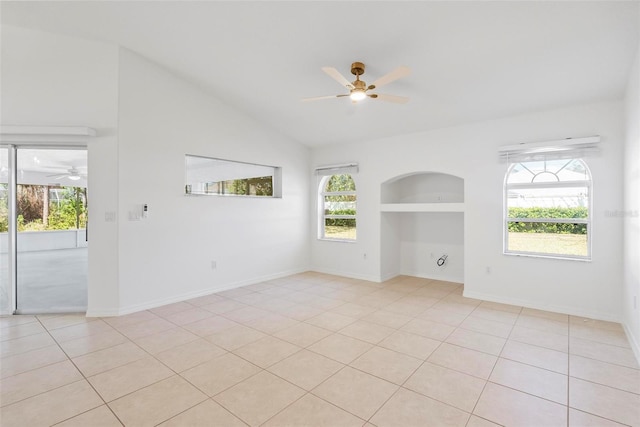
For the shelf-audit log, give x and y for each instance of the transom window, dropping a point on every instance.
(547, 209)
(337, 208)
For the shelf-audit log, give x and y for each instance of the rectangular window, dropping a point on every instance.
(218, 177)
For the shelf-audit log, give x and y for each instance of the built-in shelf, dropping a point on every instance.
(422, 207)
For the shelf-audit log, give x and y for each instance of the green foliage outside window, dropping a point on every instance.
(548, 227)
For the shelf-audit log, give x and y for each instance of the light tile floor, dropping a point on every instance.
(319, 350)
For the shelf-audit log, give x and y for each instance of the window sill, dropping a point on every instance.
(548, 256)
(326, 239)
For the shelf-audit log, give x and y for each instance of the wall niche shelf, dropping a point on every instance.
(421, 219)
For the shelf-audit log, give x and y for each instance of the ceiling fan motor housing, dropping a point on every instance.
(357, 68)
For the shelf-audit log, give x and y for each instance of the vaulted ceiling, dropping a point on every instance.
(470, 61)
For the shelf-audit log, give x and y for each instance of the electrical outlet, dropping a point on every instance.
(214, 265)
(364, 256)
(488, 270)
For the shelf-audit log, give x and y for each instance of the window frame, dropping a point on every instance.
(322, 216)
(588, 184)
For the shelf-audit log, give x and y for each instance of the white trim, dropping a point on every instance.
(635, 345)
(46, 134)
(573, 311)
(556, 149)
(442, 277)
(329, 170)
(109, 312)
(422, 207)
(350, 275)
(567, 142)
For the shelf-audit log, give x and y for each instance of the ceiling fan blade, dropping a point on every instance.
(60, 175)
(318, 98)
(394, 75)
(335, 74)
(392, 98)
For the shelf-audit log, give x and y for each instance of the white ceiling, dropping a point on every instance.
(471, 61)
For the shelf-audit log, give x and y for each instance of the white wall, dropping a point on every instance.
(470, 151)
(631, 212)
(168, 256)
(49, 79)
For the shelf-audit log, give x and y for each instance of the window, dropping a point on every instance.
(547, 208)
(337, 207)
(209, 176)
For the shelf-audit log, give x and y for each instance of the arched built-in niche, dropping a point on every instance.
(422, 219)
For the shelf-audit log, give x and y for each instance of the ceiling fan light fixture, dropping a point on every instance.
(358, 95)
(74, 177)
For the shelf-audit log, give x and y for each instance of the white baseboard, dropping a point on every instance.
(348, 274)
(573, 311)
(635, 345)
(110, 312)
(443, 277)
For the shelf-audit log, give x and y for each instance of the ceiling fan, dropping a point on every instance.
(358, 89)
(73, 174)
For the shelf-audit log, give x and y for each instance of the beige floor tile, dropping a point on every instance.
(356, 311)
(501, 307)
(404, 309)
(550, 315)
(236, 337)
(246, 314)
(10, 321)
(210, 325)
(529, 379)
(387, 364)
(191, 354)
(601, 324)
(169, 309)
(428, 328)
(464, 360)
(223, 306)
(543, 324)
(302, 334)
(446, 385)
(582, 419)
(410, 344)
(477, 341)
(25, 344)
(80, 330)
(51, 407)
(165, 340)
(424, 302)
(615, 376)
(300, 312)
(339, 347)
(98, 417)
(489, 327)
(206, 414)
(188, 316)
(20, 330)
(306, 369)
(454, 307)
(603, 352)
(541, 357)
(55, 321)
(310, 411)
(272, 323)
(157, 403)
(137, 330)
(331, 321)
(407, 408)
(91, 343)
(205, 300)
(109, 358)
(388, 319)
(495, 315)
(365, 331)
(131, 319)
(30, 383)
(128, 378)
(540, 338)
(509, 407)
(476, 421)
(606, 402)
(606, 336)
(266, 351)
(267, 393)
(19, 363)
(221, 373)
(323, 303)
(356, 392)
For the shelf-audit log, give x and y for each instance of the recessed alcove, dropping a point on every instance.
(422, 219)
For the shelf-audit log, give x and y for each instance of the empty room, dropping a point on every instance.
(319, 213)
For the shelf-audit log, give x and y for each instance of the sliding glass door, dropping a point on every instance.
(51, 241)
